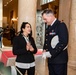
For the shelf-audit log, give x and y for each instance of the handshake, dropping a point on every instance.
(29, 47)
(46, 55)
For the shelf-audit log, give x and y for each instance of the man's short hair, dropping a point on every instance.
(47, 11)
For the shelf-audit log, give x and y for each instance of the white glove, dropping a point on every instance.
(43, 55)
(46, 55)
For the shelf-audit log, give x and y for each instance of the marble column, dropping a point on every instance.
(27, 13)
(1, 13)
(72, 40)
(64, 11)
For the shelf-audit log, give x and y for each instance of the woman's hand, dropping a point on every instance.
(29, 47)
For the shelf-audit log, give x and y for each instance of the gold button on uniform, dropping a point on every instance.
(61, 44)
(46, 39)
(46, 44)
(46, 34)
(59, 47)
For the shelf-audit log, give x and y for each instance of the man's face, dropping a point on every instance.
(47, 18)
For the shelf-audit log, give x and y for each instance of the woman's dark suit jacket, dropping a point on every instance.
(19, 49)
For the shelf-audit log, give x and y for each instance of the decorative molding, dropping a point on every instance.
(40, 29)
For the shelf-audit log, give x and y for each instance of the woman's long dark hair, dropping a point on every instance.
(23, 26)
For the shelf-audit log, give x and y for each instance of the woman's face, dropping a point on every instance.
(27, 29)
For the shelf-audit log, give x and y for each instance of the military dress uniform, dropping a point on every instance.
(56, 40)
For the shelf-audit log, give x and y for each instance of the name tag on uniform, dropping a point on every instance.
(52, 33)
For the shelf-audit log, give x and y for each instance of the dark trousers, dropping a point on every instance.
(57, 69)
(30, 71)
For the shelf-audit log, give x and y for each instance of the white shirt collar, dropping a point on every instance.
(53, 21)
(26, 38)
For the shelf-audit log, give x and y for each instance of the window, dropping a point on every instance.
(46, 1)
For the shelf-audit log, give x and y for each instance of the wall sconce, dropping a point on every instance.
(14, 19)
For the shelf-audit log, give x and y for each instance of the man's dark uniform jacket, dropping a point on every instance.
(59, 53)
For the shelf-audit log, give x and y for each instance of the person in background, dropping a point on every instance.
(12, 34)
(55, 45)
(14, 25)
(24, 47)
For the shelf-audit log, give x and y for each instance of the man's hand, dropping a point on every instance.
(44, 50)
(46, 54)
(43, 54)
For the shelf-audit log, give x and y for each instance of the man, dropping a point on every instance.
(56, 40)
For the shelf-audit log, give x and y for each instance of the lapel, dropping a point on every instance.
(54, 27)
(55, 24)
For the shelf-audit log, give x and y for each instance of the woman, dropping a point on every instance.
(24, 47)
